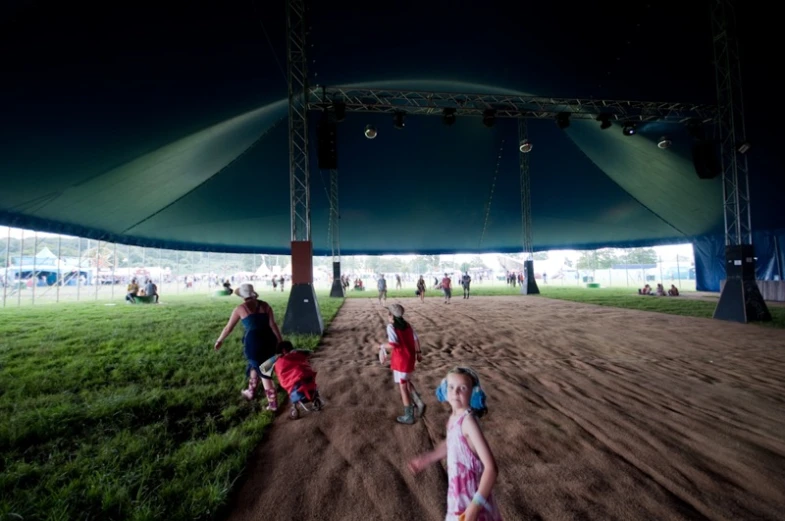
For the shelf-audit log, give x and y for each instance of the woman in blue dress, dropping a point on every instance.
(259, 342)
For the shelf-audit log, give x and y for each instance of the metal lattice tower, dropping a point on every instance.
(297, 69)
(730, 123)
(740, 299)
(333, 232)
(526, 193)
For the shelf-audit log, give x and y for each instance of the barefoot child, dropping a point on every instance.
(296, 375)
(471, 468)
(405, 346)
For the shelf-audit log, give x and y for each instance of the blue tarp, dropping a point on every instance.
(710, 258)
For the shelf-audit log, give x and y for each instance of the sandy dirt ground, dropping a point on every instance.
(595, 413)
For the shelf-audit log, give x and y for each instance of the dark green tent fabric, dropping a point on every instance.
(426, 188)
(163, 124)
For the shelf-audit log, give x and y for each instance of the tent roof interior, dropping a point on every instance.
(166, 126)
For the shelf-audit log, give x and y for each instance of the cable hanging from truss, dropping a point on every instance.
(490, 196)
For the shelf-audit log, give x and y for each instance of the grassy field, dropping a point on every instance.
(125, 412)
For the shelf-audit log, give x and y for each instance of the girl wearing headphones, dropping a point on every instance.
(471, 467)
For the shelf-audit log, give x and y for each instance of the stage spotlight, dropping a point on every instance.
(696, 129)
(563, 120)
(526, 146)
(370, 131)
(605, 121)
(744, 147)
(448, 116)
(340, 111)
(629, 129)
(398, 118)
(664, 142)
(489, 118)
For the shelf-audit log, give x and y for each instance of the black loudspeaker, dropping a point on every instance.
(704, 157)
(529, 287)
(740, 262)
(336, 290)
(327, 146)
(740, 299)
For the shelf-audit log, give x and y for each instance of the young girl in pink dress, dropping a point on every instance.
(471, 468)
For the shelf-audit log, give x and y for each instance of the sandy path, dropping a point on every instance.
(595, 413)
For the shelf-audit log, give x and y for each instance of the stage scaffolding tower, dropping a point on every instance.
(740, 299)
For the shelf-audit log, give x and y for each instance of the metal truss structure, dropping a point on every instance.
(730, 123)
(335, 242)
(740, 299)
(504, 105)
(297, 74)
(729, 116)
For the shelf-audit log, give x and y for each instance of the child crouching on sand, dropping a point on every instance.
(405, 346)
(471, 467)
(296, 376)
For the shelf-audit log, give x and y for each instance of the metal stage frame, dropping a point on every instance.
(416, 102)
(303, 98)
(740, 299)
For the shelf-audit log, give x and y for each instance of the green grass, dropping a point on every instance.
(126, 412)
(628, 299)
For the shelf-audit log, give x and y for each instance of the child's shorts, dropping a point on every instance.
(399, 377)
(303, 390)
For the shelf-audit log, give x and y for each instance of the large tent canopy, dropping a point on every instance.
(166, 126)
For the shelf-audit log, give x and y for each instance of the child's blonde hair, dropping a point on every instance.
(477, 399)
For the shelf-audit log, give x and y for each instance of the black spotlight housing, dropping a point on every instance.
(629, 129)
(448, 116)
(489, 118)
(563, 120)
(605, 121)
(339, 108)
(398, 120)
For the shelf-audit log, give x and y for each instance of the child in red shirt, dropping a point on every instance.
(296, 375)
(405, 346)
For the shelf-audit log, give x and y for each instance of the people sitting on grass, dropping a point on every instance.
(151, 290)
(132, 291)
(660, 290)
(645, 290)
(673, 292)
(227, 288)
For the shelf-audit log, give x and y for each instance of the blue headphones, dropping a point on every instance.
(477, 400)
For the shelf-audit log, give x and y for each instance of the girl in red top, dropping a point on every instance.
(405, 346)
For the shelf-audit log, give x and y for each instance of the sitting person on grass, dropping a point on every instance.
(151, 290)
